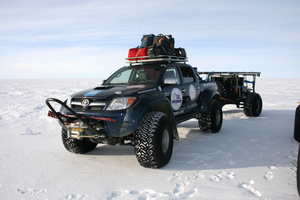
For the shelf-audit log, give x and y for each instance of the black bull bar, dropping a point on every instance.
(59, 116)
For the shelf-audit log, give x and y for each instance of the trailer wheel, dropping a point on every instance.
(253, 105)
(77, 146)
(212, 121)
(224, 92)
(154, 140)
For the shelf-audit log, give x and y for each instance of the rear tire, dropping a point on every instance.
(253, 105)
(77, 146)
(154, 140)
(212, 121)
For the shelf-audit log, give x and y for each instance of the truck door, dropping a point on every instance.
(173, 90)
(191, 87)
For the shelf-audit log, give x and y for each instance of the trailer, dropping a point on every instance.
(237, 88)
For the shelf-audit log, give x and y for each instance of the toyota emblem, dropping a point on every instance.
(85, 102)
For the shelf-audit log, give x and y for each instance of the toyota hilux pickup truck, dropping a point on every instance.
(139, 105)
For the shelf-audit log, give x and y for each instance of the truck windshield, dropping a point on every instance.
(135, 75)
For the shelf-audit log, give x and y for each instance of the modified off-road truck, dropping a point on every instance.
(236, 88)
(140, 105)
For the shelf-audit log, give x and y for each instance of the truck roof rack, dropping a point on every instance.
(232, 73)
(156, 59)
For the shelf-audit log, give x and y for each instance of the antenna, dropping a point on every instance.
(140, 18)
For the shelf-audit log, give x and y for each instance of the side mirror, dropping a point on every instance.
(170, 81)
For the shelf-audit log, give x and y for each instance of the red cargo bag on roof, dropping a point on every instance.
(132, 53)
(137, 53)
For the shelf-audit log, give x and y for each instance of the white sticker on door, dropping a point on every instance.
(192, 92)
(176, 99)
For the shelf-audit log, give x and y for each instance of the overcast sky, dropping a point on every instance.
(90, 39)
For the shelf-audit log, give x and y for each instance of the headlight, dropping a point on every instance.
(120, 103)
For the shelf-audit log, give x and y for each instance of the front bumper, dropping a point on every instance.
(91, 124)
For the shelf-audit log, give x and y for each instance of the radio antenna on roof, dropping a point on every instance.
(139, 17)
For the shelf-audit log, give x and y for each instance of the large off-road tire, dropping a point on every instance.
(298, 172)
(297, 124)
(224, 92)
(212, 121)
(253, 105)
(297, 138)
(154, 140)
(77, 146)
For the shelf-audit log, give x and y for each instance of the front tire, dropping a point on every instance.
(212, 121)
(77, 146)
(154, 140)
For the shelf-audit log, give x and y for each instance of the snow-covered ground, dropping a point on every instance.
(250, 158)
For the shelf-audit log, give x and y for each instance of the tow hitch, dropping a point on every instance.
(79, 130)
(77, 133)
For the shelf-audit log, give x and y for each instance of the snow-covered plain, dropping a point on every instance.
(250, 158)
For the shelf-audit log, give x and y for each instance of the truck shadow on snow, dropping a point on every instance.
(242, 142)
(108, 150)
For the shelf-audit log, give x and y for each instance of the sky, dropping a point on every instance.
(91, 39)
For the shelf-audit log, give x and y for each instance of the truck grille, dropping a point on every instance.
(85, 104)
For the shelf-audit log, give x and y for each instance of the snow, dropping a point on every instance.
(250, 158)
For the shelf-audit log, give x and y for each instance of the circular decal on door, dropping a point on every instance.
(176, 98)
(192, 92)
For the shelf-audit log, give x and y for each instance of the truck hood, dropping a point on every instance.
(113, 91)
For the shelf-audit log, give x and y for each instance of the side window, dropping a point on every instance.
(187, 74)
(172, 72)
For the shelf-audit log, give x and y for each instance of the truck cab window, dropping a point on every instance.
(172, 72)
(188, 76)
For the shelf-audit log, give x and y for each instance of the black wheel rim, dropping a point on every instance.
(218, 117)
(165, 141)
